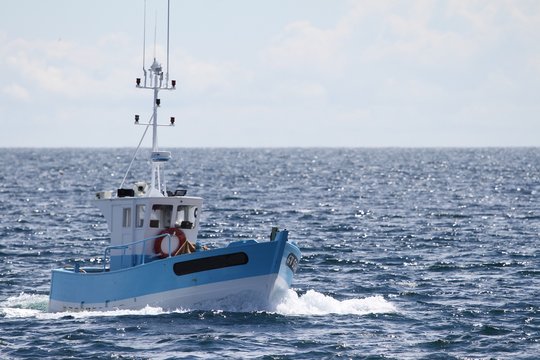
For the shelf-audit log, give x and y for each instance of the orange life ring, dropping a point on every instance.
(178, 238)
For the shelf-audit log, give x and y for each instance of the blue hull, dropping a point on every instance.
(250, 271)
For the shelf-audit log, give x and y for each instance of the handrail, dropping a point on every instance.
(127, 246)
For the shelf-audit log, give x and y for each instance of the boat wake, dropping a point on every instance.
(23, 305)
(315, 303)
(311, 303)
(35, 306)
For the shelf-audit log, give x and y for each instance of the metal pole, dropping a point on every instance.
(144, 44)
(168, 17)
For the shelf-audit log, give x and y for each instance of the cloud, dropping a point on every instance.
(303, 45)
(364, 73)
(198, 77)
(62, 67)
(17, 92)
(304, 90)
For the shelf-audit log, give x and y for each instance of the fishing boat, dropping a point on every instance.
(155, 258)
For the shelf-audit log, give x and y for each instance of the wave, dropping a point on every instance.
(311, 303)
(315, 303)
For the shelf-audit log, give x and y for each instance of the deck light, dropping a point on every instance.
(136, 119)
(158, 102)
(138, 81)
(172, 120)
(173, 82)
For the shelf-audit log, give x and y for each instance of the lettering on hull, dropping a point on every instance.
(292, 262)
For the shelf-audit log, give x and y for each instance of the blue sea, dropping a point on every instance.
(407, 253)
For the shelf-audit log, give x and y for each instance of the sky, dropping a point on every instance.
(273, 73)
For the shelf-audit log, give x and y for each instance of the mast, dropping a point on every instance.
(153, 80)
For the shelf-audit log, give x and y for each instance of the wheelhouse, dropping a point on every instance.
(133, 218)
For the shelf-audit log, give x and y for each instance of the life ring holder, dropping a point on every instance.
(162, 251)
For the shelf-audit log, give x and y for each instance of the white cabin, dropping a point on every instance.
(133, 216)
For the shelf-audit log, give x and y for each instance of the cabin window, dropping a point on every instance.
(126, 217)
(140, 210)
(185, 217)
(161, 216)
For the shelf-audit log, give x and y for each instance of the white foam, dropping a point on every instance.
(315, 303)
(311, 303)
(26, 301)
(35, 306)
(23, 305)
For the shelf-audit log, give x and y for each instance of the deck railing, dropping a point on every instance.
(125, 247)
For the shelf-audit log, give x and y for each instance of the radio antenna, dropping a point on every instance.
(144, 44)
(155, 34)
(168, 21)
(153, 80)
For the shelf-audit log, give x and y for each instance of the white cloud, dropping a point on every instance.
(198, 77)
(63, 67)
(302, 45)
(304, 90)
(16, 91)
(355, 72)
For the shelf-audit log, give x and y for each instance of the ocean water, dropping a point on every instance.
(407, 253)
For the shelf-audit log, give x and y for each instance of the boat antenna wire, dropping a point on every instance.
(136, 151)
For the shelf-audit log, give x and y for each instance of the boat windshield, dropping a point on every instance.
(186, 216)
(161, 216)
